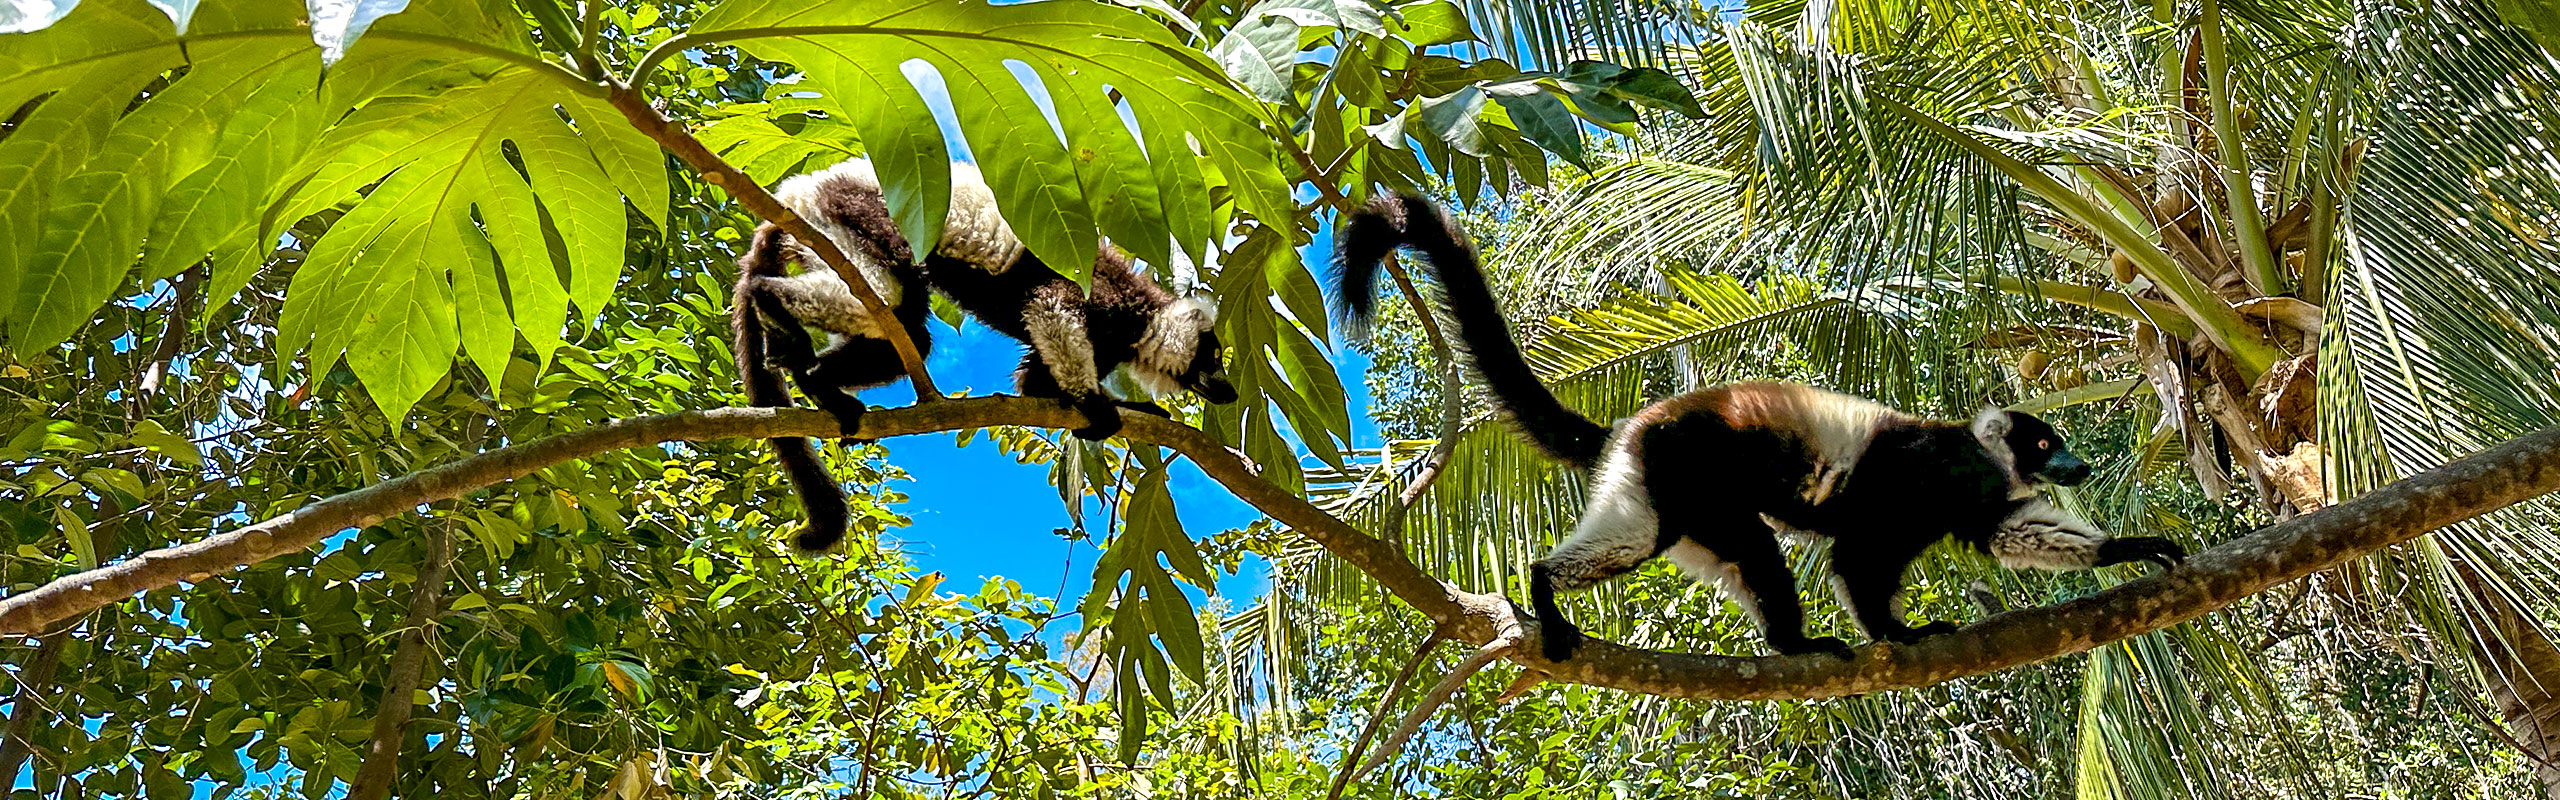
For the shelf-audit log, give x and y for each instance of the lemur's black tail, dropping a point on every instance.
(821, 499)
(1363, 238)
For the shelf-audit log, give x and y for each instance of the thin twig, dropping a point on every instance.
(1377, 718)
(717, 172)
(1439, 694)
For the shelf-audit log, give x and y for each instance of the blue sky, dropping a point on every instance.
(979, 515)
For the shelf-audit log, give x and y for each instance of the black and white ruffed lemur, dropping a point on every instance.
(1708, 478)
(1167, 343)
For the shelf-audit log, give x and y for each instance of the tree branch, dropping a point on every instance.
(672, 136)
(1432, 700)
(2496, 478)
(29, 706)
(1377, 718)
(381, 762)
(1452, 405)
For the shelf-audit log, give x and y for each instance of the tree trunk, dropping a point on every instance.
(382, 752)
(2522, 671)
(26, 709)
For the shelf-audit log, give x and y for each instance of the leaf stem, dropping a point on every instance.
(2163, 315)
(567, 77)
(2231, 334)
(2246, 222)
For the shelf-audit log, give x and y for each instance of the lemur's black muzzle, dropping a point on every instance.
(1215, 389)
(2064, 469)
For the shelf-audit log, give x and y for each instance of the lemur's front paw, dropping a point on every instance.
(1101, 420)
(1801, 644)
(848, 413)
(2128, 549)
(1914, 634)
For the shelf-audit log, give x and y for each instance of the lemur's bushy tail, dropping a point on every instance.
(1363, 238)
(821, 499)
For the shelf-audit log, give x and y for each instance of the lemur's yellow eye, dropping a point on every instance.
(2044, 444)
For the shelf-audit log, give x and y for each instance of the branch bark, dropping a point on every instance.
(672, 136)
(1432, 700)
(391, 719)
(2509, 473)
(1386, 702)
(29, 706)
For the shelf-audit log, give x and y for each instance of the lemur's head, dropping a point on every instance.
(1181, 351)
(2029, 447)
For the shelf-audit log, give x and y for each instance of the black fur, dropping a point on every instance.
(1365, 237)
(1115, 316)
(769, 340)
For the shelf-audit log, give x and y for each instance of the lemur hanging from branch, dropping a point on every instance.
(1700, 478)
(1167, 343)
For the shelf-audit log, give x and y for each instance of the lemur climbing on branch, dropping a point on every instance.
(1701, 478)
(1167, 343)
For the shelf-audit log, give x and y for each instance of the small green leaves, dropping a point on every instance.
(1131, 581)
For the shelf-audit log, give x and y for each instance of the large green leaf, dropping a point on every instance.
(434, 281)
(229, 152)
(1061, 183)
(2441, 339)
(80, 176)
(1146, 609)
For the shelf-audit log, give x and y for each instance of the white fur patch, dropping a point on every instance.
(1991, 429)
(821, 300)
(817, 295)
(976, 231)
(2042, 535)
(1840, 427)
(1172, 339)
(1703, 566)
(1058, 332)
(1173, 335)
(1618, 527)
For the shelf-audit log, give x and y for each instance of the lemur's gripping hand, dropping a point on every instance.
(1145, 408)
(1922, 631)
(2128, 549)
(848, 414)
(1557, 639)
(1101, 418)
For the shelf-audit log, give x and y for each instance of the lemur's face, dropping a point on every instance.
(1181, 352)
(1207, 374)
(2040, 453)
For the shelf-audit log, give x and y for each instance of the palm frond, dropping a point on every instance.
(2447, 333)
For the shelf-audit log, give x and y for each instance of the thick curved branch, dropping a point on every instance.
(2476, 485)
(2493, 479)
(32, 610)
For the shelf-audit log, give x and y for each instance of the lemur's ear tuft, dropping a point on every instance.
(1199, 307)
(1992, 424)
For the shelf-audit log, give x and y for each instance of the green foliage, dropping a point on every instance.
(1086, 59)
(194, 198)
